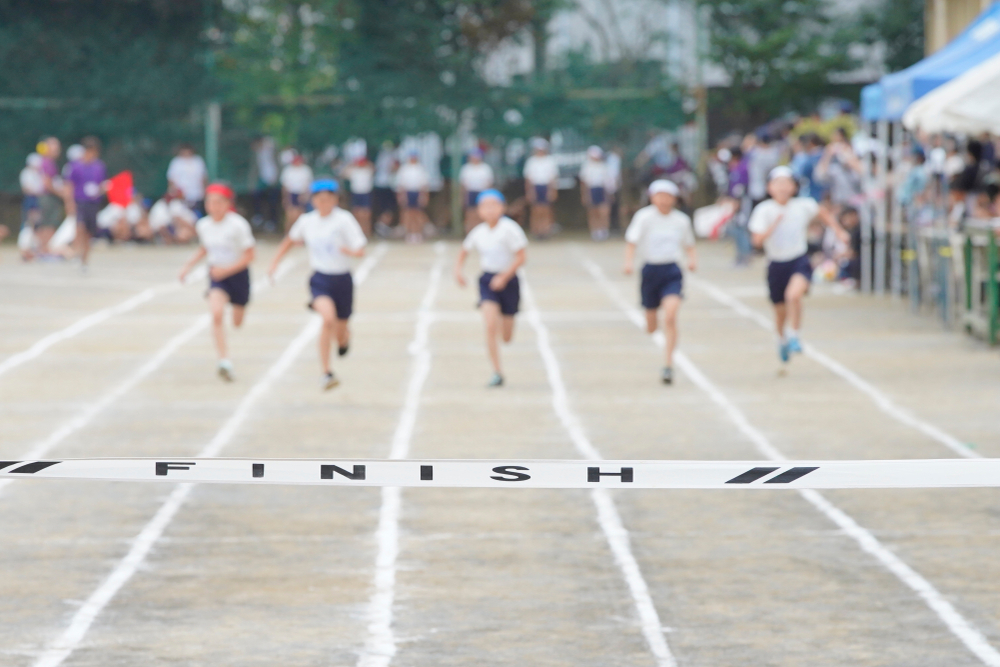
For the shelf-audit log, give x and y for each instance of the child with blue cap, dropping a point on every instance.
(501, 245)
(333, 236)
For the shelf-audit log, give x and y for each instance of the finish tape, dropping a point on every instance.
(543, 474)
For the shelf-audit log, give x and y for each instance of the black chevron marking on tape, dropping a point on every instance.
(791, 475)
(32, 468)
(7, 464)
(751, 475)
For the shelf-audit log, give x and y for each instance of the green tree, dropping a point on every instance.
(899, 25)
(779, 54)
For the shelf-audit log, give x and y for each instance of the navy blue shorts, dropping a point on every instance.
(472, 197)
(361, 200)
(597, 196)
(412, 199)
(779, 274)
(237, 286)
(86, 214)
(541, 194)
(339, 287)
(658, 281)
(508, 298)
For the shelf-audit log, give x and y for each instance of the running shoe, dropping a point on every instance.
(667, 375)
(226, 370)
(341, 351)
(328, 381)
(495, 381)
(784, 351)
(794, 346)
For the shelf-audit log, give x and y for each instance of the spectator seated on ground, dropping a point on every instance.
(171, 220)
(125, 223)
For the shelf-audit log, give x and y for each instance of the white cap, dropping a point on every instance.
(595, 152)
(724, 155)
(781, 172)
(539, 144)
(34, 160)
(663, 185)
(74, 152)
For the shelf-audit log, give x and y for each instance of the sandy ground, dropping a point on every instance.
(288, 575)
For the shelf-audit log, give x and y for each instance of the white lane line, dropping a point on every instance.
(69, 640)
(970, 636)
(881, 400)
(380, 645)
(95, 318)
(89, 412)
(607, 513)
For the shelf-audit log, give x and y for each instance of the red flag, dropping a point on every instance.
(121, 189)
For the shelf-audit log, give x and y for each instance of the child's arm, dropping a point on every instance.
(459, 265)
(223, 272)
(629, 266)
(760, 237)
(500, 280)
(283, 248)
(199, 254)
(692, 255)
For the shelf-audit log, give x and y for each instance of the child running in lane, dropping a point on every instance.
(663, 236)
(227, 241)
(779, 225)
(332, 236)
(501, 245)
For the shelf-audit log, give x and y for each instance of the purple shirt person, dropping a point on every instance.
(87, 179)
(739, 178)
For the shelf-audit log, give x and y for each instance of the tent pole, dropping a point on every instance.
(896, 229)
(866, 216)
(881, 204)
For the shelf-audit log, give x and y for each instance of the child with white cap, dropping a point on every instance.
(779, 224)
(593, 192)
(228, 245)
(333, 236)
(475, 176)
(501, 245)
(540, 175)
(663, 236)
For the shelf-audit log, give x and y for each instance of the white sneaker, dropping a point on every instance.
(226, 370)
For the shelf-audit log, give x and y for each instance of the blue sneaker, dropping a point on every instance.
(784, 351)
(794, 345)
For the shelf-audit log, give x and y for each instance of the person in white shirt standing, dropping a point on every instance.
(474, 177)
(413, 193)
(540, 175)
(361, 175)
(296, 179)
(594, 178)
(189, 175)
(501, 245)
(228, 244)
(779, 225)
(663, 236)
(332, 236)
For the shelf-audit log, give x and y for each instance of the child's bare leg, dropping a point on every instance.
(324, 306)
(650, 321)
(671, 304)
(217, 300)
(507, 328)
(491, 318)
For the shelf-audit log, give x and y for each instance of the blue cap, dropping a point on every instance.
(325, 185)
(492, 193)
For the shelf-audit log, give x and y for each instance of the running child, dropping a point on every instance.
(663, 237)
(227, 241)
(779, 225)
(501, 245)
(332, 236)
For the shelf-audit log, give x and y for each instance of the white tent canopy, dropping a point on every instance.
(969, 103)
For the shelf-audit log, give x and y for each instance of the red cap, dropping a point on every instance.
(220, 189)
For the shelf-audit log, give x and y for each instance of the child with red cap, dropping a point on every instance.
(227, 241)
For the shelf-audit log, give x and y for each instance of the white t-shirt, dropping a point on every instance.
(188, 174)
(32, 182)
(362, 179)
(109, 216)
(164, 213)
(659, 238)
(225, 240)
(476, 177)
(325, 236)
(594, 173)
(496, 245)
(541, 169)
(789, 240)
(412, 177)
(297, 178)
